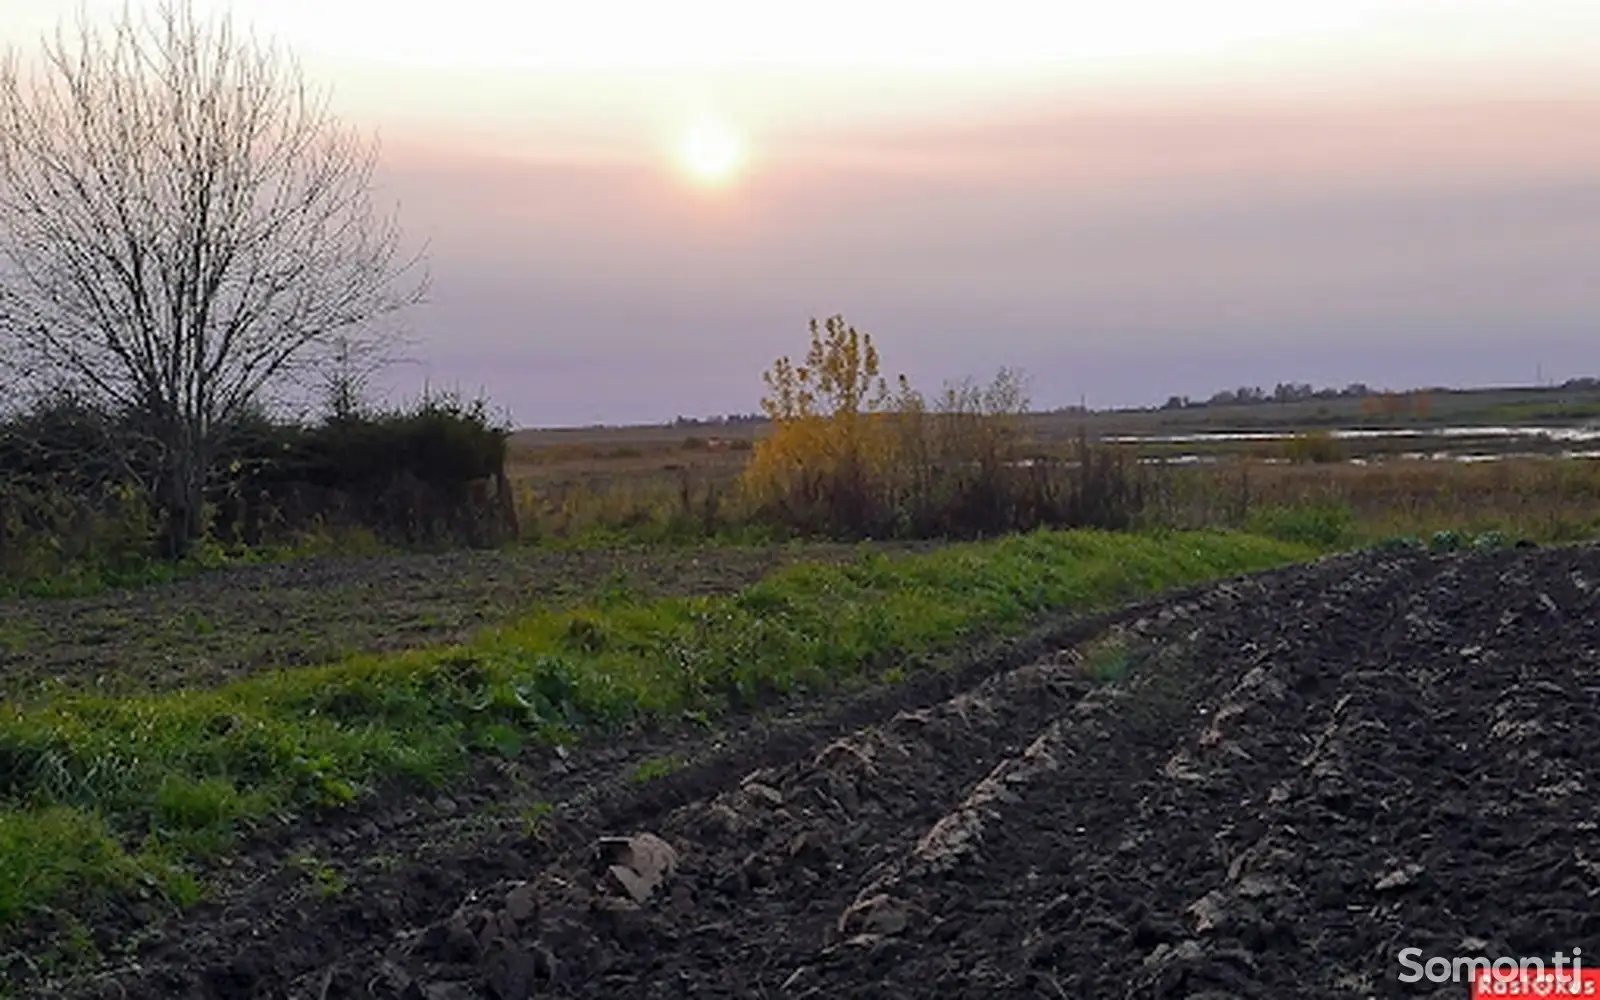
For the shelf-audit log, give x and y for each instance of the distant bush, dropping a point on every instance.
(1314, 446)
(73, 495)
(431, 474)
(69, 492)
(848, 457)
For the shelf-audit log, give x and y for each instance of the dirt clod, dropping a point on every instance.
(638, 864)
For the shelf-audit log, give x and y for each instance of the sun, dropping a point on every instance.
(711, 152)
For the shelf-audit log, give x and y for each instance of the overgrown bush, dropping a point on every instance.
(68, 496)
(849, 457)
(430, 474)
(75, 484)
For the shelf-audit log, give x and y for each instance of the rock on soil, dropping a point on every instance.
(1299, 776)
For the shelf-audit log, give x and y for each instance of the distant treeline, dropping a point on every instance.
(1283, 392)
(725, 420)
(1293, 392)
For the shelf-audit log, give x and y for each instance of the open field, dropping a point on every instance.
(247, 782)
(227, 624)
(1512, 405)
(1525, 460)
(125, 805)
(661, 492)
(1257, 789)
(1543, 500)
(319, 680)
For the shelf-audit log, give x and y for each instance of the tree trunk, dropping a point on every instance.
(182, 503)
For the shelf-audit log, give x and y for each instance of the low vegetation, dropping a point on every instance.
(74, 516)
(124, 794)
(1544, 500)
(139, 443)
(845, 454)
(1547, 499)
(1314, 446)
(130, 794)
(849, 457)
(841, 454)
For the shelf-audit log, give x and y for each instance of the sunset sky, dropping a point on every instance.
(632, 208)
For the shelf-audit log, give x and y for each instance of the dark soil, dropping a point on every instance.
(223, 625)
(1298, 776)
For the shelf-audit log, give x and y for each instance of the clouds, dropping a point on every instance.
(1157, 251)
(1281, 208)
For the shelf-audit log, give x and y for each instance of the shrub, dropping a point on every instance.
(1314, 446)
(72, 499)
(848, 457)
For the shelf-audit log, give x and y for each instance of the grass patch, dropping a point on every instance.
(323, 880)
(655, 768)
(1325, 526)
(16, 637)
(536, 819)
(99, 794)
(1108, 659)
(57, 857)
(1542, 500)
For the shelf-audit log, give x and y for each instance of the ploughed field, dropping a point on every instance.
(1265, 788)
(223, 625)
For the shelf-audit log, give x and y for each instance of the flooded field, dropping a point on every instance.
(1361, 446)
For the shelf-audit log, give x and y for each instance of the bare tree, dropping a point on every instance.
(185, 227)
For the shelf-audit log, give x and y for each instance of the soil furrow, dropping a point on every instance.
(1298, 776)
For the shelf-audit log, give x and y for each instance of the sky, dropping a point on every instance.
(632, 208)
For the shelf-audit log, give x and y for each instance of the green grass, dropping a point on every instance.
(1325, 526)
(15, 637)
(99, 794)
(655, 768)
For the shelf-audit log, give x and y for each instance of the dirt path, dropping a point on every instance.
(1299, 776)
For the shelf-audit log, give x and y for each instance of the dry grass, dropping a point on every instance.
(1544, 499)
(659, 489)
(653, 492)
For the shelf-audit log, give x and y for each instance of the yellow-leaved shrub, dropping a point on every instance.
(847, 456)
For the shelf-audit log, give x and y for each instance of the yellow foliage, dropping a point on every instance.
(824, 441)
(847, 454)
(837, 380)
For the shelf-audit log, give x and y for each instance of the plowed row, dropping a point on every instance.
(1298, 776)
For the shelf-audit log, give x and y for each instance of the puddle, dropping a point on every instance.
(1572, 434)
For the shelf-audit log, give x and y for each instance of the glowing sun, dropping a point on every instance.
(711, 152)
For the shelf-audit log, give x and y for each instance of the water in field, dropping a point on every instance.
(1453, 444)
(1576, 434)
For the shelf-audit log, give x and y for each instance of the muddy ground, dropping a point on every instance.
(226, 624)
(1262, 789)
